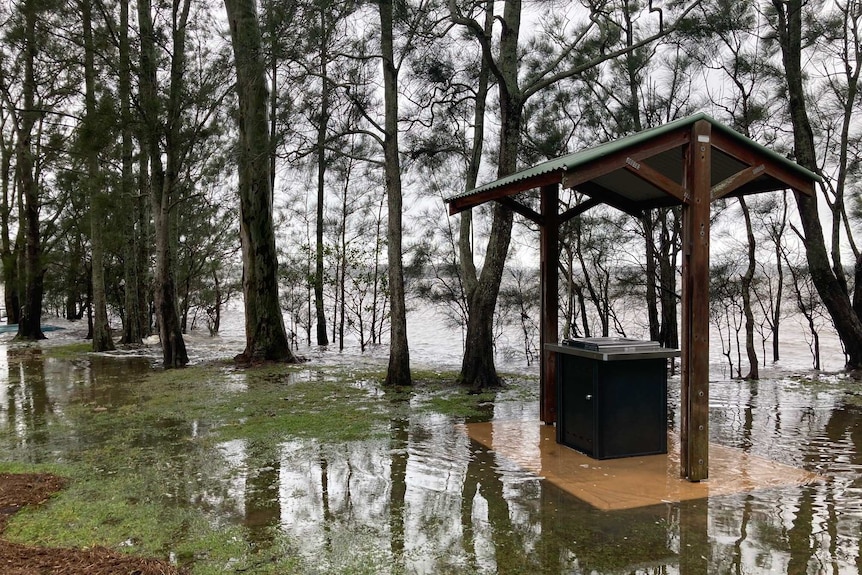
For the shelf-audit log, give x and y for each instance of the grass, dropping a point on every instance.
(69, 351)
(148, 471)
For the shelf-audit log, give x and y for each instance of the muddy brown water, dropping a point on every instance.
(428, 500)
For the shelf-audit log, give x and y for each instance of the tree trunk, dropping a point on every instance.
(651, 276)
(73, 284)
(8, 256)
(134, 321)
(323, 123)
(398, 371)
(29, 324)
(465, 228)
(478, 369)
(161, 184)
(668, 250)
(776, 233)
(174, 352)
(102, 340)
(776, 319)
(265, 336)
(837, 302)
(747, 279)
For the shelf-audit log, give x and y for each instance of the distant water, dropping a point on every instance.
(436, 344)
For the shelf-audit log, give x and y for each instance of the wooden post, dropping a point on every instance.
(549, 281)
(694, 424)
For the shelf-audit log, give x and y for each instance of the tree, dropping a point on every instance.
(206, 250)
(37, 86)
(163, 181)
(92, 143)
(26, 177)
(596, 243)
(398, 370)
(9, 249)
(808, 304)
(266, 338)
(134, 215)
(323, 21)
(726, 45)
(772, 213)
(726, 312)
(520, 306)
(746, 289)
(787, 18)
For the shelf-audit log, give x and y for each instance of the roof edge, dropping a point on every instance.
(575, 159)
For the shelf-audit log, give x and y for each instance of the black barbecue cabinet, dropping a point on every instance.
(612, 396)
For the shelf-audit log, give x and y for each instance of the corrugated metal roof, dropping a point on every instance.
(622, 182)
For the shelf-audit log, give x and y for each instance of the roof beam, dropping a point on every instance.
(459, 204)
(736, 181)
(656, 178)
(752, 157)
(520, 208)
(579, 209)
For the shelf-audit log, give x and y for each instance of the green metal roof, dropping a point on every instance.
(668, 162)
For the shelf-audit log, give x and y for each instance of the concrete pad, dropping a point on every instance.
(630, 482)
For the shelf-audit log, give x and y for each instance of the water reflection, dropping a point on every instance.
(425, 499)
(25, 398)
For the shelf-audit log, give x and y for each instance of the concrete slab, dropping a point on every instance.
(633, 481)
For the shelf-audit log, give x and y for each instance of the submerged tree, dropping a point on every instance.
(163, 181)
(266, 338)
(398, 371)
(792, 37)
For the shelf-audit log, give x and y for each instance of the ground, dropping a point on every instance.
(20, 490)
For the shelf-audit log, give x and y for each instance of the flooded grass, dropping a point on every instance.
(149, 453)
(313, 469)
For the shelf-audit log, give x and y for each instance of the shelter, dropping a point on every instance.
(688, 162)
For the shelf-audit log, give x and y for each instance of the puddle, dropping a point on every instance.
(422, 498)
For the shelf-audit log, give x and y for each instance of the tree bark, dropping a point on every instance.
(478, 369)
(323, 123)
(8, 255)
(134, 321)
(651, 276)
(835, 298)
(668, 250)
(398, 371)
(161, 183)
(465, 228)
(102, 340)
(29, 324)
(266, 338)
(747, 280)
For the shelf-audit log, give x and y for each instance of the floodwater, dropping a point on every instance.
(428, 500)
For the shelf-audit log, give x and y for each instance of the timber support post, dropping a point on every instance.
(694, 397)
(549, 279)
